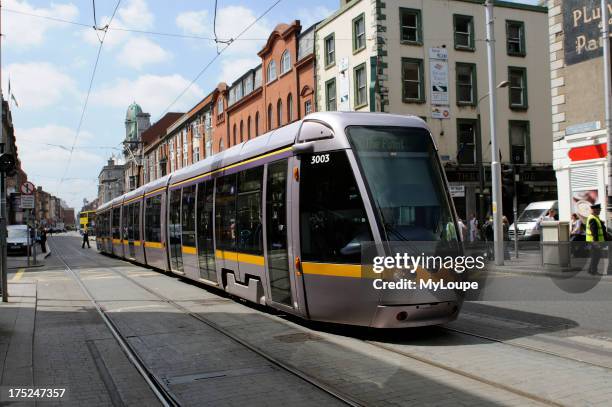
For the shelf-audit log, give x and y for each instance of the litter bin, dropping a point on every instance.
(555, 247)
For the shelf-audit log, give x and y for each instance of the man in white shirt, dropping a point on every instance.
(473, 228)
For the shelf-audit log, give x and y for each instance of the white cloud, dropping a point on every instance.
(26, 31)
(139, 51)
(233, 68)
(45, 164)
(193, 22)
(39, 84)
(153, 92)
(310, 16)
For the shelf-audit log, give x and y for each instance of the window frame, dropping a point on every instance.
(329, 64)
(284, 55)
(419, 26)
(521, 25)
(356, 87)
(471, 46)
(525, 104)
(271, 64)
(527, 140)
(327, 100)
(474, 123)
(356, 47)
(474, 84)
(421, 70)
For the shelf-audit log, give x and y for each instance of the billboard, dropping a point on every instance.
(582, 31)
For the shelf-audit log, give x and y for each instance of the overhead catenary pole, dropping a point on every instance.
(498, 234)
(605, 31)
(3, 220)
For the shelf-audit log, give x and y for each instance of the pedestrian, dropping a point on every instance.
(576, 229)
(463, 231)
(85, 238)
(551, 215)
(506, 229)
(489, 234)
(473, 228)
(43, 240)
(595, 236)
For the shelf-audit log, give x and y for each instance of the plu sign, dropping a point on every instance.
(582, 28)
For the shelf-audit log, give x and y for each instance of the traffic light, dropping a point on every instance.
(7, 163)
(507, 179)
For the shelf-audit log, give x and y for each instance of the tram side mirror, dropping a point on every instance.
(304, 148)
(312, 131)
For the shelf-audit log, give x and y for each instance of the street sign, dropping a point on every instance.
(27, 201)
(27, 188)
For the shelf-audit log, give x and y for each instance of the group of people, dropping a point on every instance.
(473, 231)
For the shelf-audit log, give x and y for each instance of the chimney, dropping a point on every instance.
(111, 162)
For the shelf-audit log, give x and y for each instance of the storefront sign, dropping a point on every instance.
(581, 26)
(438, 72)
(440, 112)
(588, 152)
(457, 191)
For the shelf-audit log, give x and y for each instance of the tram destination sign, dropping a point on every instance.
(582, 30)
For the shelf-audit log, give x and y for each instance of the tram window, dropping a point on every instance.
(188, 216)
(124, 222)
(333, 221)
(116, 225)
(130, 222)
(136, 226)
(174, 228)
(153, 219)
(248, 207)
(225, 212)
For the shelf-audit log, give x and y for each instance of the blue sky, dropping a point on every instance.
(49, 64)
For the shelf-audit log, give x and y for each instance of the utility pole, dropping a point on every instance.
(3, 220)
(498, 234)
(605, 32)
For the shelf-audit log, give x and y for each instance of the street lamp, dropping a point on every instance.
(481, 173)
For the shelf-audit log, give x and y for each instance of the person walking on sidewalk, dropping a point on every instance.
(473, 229)
(85, 238)
(43, 240)
(595, 236)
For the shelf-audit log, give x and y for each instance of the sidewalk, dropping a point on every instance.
(16, 262)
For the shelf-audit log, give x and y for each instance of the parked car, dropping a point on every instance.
(17, 241)
(527, 223)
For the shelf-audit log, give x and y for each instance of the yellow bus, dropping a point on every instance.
(87, 218)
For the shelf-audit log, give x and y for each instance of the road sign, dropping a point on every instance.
(27, 188)
(27, 201)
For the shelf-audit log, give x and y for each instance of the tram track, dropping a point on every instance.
(158, 386)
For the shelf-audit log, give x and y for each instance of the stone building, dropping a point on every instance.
(136, 121)
(578, 116)
(155, 144)
(111, 181)
(429, 59)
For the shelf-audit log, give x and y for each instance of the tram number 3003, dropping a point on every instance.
(319, 159)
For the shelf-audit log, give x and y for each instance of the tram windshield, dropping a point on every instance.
(403, 174)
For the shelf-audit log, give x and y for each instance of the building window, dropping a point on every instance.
(466, 84)
(518, 88)
(330, 95)
(249, 128)
(234, 133)
(359, 39)
(289, 108)
(270, 117)
(466, 141)
(410, 26)
(241, 131)
(519, 142)
(196, 152)
(285, 62)
(220, 145)
(279, 113)
(220, 106)
(330, 50)
(515, 38)
(271, 71)
(256, 124)
(413, 85)
(360, 86)
(307, 107)
(464, 32)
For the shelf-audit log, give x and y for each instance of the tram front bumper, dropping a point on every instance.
(406, 316)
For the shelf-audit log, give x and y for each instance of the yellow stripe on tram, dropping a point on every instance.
(336, 270)
(240, 257)
(116, 241)
(136, 242)
(189, 250)
(154, 245)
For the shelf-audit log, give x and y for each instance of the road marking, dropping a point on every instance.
(18, 275)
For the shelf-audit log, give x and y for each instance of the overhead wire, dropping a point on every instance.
(93, 75)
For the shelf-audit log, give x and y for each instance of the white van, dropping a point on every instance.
(527, 223)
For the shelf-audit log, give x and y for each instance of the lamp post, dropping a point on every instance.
(481, 172)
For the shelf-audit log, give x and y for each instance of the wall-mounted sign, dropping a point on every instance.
(27, 201)
(582, 128)
(438, 72)
(581, 26)
(457, 191)
(440, 112)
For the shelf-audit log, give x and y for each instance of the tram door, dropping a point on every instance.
(130, 227)
(174, 231)
(206, 249)
(276, 233)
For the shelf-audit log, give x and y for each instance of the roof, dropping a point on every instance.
(133, 110)
(158, 129)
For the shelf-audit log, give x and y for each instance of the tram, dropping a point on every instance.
(279, 220)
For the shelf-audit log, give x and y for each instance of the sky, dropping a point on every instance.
(50, 63)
